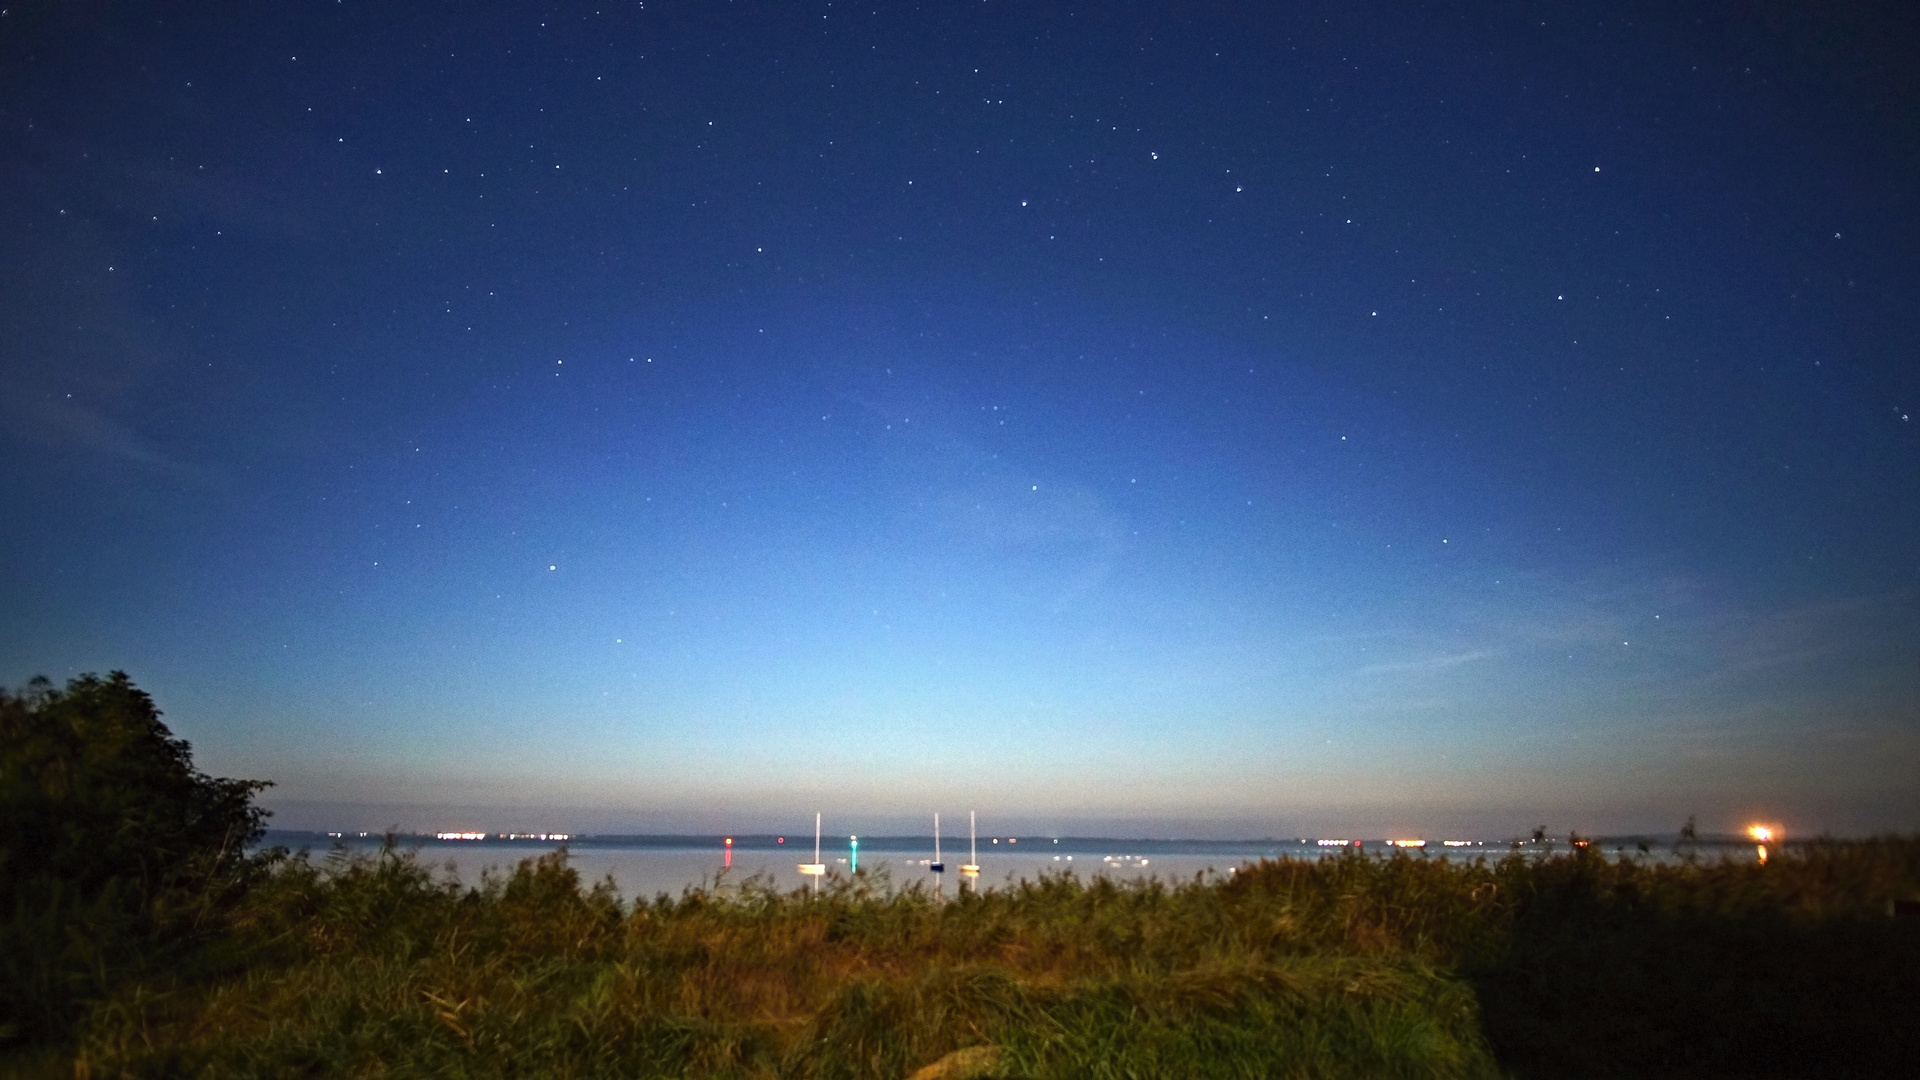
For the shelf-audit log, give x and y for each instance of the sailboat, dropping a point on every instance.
(971, 869)
(815, 869)
(936, 866)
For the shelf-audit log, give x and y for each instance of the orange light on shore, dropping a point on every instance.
(1761, 833)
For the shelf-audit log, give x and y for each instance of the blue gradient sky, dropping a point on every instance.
(1228, 421)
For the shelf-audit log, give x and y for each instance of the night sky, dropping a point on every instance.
(1228, 420)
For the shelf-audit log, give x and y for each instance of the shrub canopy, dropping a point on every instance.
(115, 852)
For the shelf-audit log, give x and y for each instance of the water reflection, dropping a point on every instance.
(647, 868)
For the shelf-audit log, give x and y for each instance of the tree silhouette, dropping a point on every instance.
(117, 856)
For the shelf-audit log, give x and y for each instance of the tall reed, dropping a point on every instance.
(1351, 966)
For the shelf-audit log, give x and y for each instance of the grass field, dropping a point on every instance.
(1350, 967)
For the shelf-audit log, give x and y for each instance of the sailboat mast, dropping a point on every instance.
(815, 869)
(970, 873)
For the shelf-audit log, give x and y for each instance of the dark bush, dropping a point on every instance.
(1793, 969)
(117, 857)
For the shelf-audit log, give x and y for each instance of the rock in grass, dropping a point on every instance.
(963, 1064)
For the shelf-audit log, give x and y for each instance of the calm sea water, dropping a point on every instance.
(644, 867)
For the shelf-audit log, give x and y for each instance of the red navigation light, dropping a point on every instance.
(781, 840)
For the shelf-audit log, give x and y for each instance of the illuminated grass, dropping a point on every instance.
(1362, 967)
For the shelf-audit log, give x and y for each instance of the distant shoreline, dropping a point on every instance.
(1025, 845)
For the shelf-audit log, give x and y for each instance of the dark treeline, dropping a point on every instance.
(119, 861)
(199, 960)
